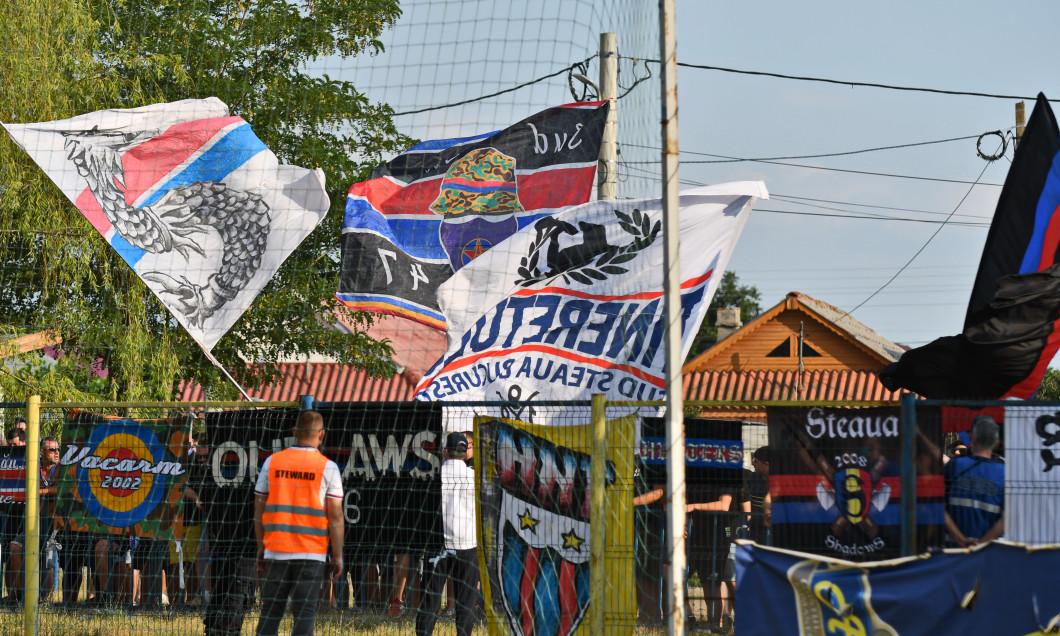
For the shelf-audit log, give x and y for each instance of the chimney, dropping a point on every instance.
(728, 321)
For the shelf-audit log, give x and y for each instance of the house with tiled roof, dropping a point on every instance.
(801, 349)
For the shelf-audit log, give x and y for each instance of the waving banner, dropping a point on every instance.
(534, 527)
(1012, 325)
(573, 304)
(835, 481)
(997, 588)
(121, 476)
(188, 196)
(440, 204)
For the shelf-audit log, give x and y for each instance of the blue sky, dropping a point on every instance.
(444, 52)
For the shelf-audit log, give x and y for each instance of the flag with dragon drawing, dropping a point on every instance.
(534, 489)
(189, 197)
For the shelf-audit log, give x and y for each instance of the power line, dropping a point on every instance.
(874, 218)
(817, 156)
(918, 252)
(797, 199)
(566, 69)
(849, 83)
(845, 170)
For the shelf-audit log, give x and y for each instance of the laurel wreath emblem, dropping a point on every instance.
(637, 224)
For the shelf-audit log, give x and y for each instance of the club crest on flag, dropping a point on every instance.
(478, 201)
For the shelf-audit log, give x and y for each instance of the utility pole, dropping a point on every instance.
(607, 173)
(1021, 121)
(675, 433)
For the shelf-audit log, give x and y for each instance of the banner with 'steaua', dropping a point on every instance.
(573, 304)
(835, 481)
(188, 196)
(442, 203)
(534, 527)
(13, 476)
(997, 588)
(121, 476)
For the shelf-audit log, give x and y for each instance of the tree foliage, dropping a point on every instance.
(1049, 389)
(65, 57)
(730, 293)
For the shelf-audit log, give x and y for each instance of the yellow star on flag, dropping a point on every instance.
(526, 522)
(572, 541)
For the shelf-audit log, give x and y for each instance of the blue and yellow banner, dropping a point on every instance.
(998, 588)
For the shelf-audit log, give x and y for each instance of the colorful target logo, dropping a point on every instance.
(115, 479)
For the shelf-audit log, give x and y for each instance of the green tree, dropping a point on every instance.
(730, 293)
(253, 54)
(1050, 386)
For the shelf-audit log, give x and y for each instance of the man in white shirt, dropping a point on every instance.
(459, 559)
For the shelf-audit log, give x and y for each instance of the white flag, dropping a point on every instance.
(1032, 474)
(190, 198)
(572, 304)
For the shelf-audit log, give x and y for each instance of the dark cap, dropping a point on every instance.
(455, 442)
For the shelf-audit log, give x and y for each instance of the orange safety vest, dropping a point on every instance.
(295, 519)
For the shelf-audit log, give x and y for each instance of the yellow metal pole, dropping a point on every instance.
(31, 554)
(597, 516)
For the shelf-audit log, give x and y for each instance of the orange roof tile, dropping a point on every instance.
(326, 382)
(765, 386)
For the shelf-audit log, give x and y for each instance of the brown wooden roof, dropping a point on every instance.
(832, 340)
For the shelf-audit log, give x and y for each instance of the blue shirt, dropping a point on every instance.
(975, 493)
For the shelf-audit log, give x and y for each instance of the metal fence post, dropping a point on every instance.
(908, 475)
(31, 554)
(597, 516)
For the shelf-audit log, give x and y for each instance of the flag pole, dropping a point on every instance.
(675, 438)
(220, 366)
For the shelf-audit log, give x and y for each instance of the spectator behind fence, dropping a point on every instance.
(232, 548)
(297, 508)
(709, 547)
(459, 558)
(17, 437)
(49, 460)
(756, 501)
(193, 527)
(975, 489)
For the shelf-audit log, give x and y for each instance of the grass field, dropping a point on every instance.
(85, 622)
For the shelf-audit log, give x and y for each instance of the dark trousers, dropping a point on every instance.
(232, 584)
(301, 581)
(463, 568)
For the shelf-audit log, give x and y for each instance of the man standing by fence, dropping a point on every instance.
(297, 508)
(459, 558)
(975, 489)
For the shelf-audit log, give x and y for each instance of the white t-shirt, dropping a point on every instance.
(458, 505)
(330, 487)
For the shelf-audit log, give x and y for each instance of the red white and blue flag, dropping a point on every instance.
(572, 305)
(188, 196)
(442, 203)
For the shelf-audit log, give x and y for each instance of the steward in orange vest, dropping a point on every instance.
(297, 513)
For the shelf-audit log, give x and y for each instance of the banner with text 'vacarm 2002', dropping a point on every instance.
(121, 476)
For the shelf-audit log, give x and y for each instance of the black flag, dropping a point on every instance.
(1012, 328)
